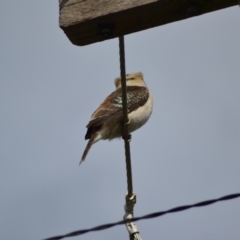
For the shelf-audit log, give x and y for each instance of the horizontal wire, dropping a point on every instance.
(148, 216)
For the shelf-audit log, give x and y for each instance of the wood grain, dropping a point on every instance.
(89, 21)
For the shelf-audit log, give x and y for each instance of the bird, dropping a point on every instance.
(107, 120)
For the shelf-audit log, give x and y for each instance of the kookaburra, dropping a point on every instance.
(106, 122)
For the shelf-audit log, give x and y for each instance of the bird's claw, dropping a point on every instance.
(129, 138)
(128, 122)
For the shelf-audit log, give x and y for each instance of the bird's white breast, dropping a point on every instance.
(141, 115)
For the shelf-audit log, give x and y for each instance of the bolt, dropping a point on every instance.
(106, 32)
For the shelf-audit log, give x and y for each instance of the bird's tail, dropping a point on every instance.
(89, 145)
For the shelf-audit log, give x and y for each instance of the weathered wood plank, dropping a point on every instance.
(90, 21)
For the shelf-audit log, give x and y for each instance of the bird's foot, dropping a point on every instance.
(128, 122)
(129, 138)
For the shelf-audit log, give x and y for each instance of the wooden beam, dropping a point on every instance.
(86, 22)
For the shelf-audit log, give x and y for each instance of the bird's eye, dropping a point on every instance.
(130, 78)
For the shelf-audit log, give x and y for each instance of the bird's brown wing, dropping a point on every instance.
(111, 109)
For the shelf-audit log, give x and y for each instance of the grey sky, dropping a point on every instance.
(188, 151)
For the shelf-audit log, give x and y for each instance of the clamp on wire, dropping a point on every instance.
(131, 226)
(130, 201)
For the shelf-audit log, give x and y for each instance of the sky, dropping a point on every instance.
(188, 151)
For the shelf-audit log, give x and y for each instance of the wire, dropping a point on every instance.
(130, 198)
(125, 133)
(148, 216)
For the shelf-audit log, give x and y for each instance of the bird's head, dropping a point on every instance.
(133, 79)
